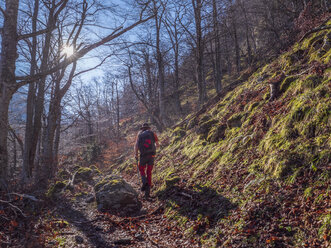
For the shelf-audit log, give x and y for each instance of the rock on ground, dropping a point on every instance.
(114, 194)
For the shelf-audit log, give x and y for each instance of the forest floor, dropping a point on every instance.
(72, 220)
(79, 224)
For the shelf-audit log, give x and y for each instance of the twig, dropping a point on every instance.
(15, 207)
(185, 194)
(67, 233)
(31, 197)
(314, 31)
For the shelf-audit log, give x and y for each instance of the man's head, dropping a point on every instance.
(145, 126)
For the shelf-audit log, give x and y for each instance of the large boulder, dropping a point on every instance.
(114, 194)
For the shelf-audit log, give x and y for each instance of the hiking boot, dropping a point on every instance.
(143, 188)
(147, 191)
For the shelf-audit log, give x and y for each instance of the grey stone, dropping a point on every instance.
(113, 193)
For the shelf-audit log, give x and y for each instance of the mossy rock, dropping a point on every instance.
(327, 42)
(205, 127)
(311, 82)
(114, 194)
(324, 114)
(291, 133)
(56, 188)
(63, 174)
(84, 174)
(217, 133)
(178, 133)
(300, 113)
(172, 181)
(296, 56)
(236, 120)
(288, 163)
(286, 83)
(310, 130)
(252, 106)
(96, 170)
(192, 123)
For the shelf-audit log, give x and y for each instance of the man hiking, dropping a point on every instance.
(146, 143)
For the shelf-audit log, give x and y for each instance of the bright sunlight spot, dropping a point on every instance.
(68, 50)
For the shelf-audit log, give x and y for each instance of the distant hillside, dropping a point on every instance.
(267, 156)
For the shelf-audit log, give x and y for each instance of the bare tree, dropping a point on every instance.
(172, 23)
(10, 82)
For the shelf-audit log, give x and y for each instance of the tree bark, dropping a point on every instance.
(217, 64)
(200, 79)
(28, 157)
(160, 63)
(7, 79)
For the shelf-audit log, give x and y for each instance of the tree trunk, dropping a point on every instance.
(4, 105)
(176, 83)
(13, 167)
(50, 138)
(217, 64)
(237, 49)
(57, 142)
(249, 49)
(33, 127)
(28, 157)
(117, 111)
(197, 6)
(160, 64)
(7, 79)
(47, 159)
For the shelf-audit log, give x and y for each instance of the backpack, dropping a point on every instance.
(146, 143)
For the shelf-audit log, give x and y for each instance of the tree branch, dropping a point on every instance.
(19, 140)
(25, 36)
(314, 31)
(3, 12)
(93, 68)
(14, 207)
(79, 54)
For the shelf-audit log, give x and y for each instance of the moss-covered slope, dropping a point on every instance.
(269, 158)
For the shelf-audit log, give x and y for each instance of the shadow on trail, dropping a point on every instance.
(197, 203)
(91, 231)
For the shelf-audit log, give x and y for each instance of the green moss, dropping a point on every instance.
(283, 164)
(63, 174)
(300, 113)
(205, 127)
(84, 174)
(252, 106)
(178, 134)
(323, 113)
(172, 181)
(109, 180)
(236, 120)
(56, 188)
(309, 130)
(96, 170)
(290, 132)
(325, 228)
(312, 81)
(286, 83)
(217, 133)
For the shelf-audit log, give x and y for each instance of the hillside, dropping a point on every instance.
(251, 168)
(254, 170)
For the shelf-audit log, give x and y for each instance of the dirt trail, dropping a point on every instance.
(87, 227)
